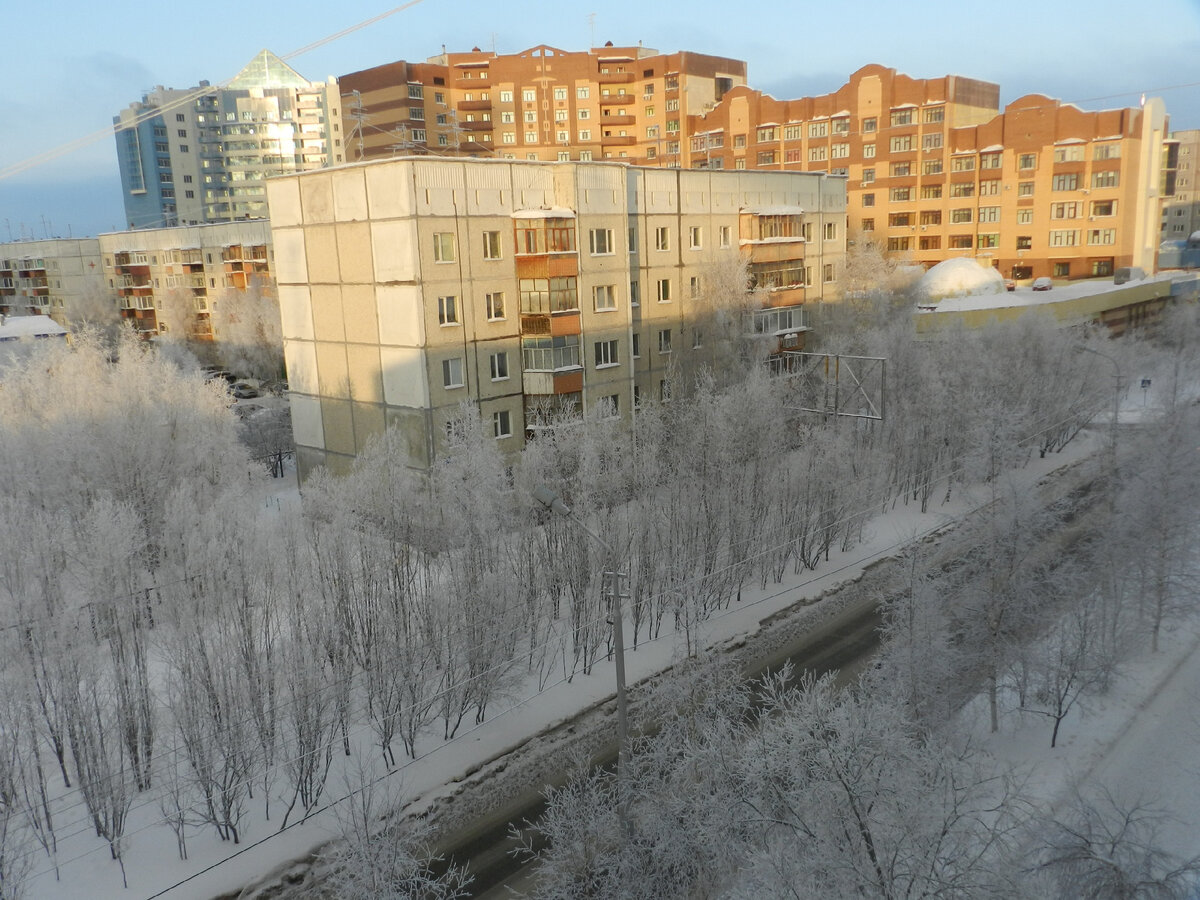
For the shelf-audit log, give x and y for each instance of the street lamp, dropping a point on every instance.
(1116, 400)
(612, 586)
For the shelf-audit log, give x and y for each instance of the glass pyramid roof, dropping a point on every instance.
(267, 71)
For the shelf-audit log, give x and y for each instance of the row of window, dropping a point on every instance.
(991, 188)
(556, 354)
(1096, 237)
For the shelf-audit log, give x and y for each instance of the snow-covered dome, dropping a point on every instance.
(960, 277)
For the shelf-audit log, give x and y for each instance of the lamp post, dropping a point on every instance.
(1116, 402)
(612, 587)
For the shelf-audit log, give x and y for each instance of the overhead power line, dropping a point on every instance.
(101, 134)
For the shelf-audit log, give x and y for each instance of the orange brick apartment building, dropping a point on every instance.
(935, 170)
(541, 104)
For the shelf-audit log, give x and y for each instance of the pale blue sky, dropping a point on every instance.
(72, 65)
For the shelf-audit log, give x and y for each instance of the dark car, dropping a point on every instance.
(1009, 284)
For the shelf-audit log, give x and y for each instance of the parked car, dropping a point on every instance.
(243, 391)
(1128, 273)
(1009, 284)
(1042, 284)
(211, 374)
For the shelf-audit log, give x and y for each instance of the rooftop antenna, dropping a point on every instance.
(592, 25)
(359, 116)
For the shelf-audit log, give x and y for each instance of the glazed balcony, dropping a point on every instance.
(616, 99)
(615, 77)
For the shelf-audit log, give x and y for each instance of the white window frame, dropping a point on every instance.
(452, 373)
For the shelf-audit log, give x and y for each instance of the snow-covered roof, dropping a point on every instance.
(778, 209)
(549, 212)
(992, 148)
(905, 106)
(840, 113)
(1069, 141)
(768, 124)
(1109, 137)
(14, 327)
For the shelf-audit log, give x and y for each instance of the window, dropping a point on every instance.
(636, 345)
(929, 242)
(828, 273)
(635, 293)
(899, 220)
(962, 164)
(182, 132)
(931, 192)
(1073, 153)
(818, 129)
(989, 160)
(1064, 238)
(868, 151)
(501, 424)
(1027, 161)
(961, 216)
(531, 115)
(495, 303)
(934, 114)
(662, 238)
(1024, 216)
(902, 117)
(1102, 236)
(529, 95)
(694, 286)
(662, 290)
(990, 188)
(766, 134)
(1103, 207)
(1106, 179)
(987, 241)
(839, 151)
(1062, 270)
(1102, 267)
(766, 158)
(604, 297)
(931, 217)
(443, 246)
(549, 295)
(695, 237)
(900, 168)
(831, 231)
(1065, 210)
(739, 140)
(898, 244)
(961, 241)
(582, 93)
(988, 214)
(932, 141)
(900, 194)
(1064, 182)
(724, 236)
(1025, 189)
(600, 241)
(452, 372)
(505, 97)
(868, 176)
(962, 189)
(499, 366)
(549, 354)
(868, 199)
(869, 125)
(585, 135)
(931, 167)
(900, 144)
(868, 225)
(1024, 242)
(817, 154)
(1106, 151)
(491, 245)
(606, 353)
(664, 341)
(448, 310)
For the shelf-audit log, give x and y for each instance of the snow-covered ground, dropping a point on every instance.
(1138, 737)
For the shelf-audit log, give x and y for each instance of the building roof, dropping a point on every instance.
(267, 71)
(14, 328)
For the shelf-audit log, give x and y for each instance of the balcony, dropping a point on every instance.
(618, 140)
(472, 105)
(617, 99)
(475, 126)
(618, 120)
(615, 78)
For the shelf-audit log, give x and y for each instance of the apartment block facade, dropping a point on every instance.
(171, 280)
(628, 103)
(1181, 190)
(47, 277)
(935, 170)
(409, 286)
(201, 155)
